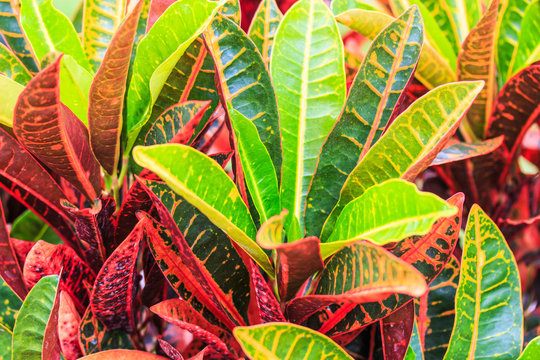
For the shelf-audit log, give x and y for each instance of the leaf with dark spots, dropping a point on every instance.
(457, 151)
(169, 350)
(113, 299)
(95, 337)
(295, 261)
(48, 259)
(396, 331)
(269, 309)
(21, 249)
(10, 270)
(179, 313)
(68, 327)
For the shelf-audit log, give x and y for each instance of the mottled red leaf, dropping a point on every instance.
(169, 350)
(113, 297)
(50, 349)
(95, 337)
(68, 327)
(396, 331)
(269, 309)
(21, 249)
(106, 98)
(157, 8)
(10, 271)
(49, 130)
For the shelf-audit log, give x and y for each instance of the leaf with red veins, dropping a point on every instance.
(50, 131)
(21, 249)
(10, 270)
(169, 350)
(269, 308)
(68, 327)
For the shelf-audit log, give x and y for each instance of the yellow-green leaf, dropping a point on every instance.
(262, 30)
(12, 67)
(9, 92)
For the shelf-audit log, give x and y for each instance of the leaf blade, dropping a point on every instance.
(262, 30)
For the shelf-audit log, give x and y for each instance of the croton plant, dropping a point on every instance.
(327, 183)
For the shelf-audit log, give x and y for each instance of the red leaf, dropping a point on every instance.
(10, 270)
(123, 355)
(396, 331)
(50, 349)
(106, 98)
(68, 327)
(113, 296)
(269, 309)
(169, 350)
(49, 130)
(21, 249)
(48, 259)
(157, 8)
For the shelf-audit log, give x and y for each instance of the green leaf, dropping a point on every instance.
(29, 331)
(5, 343)
(532, 351)
(377, 87)
(244, 81)
(445, 14)
(415, 346)
(310, 91)
(29, 227)
(528, 47)
(100, 21)
(264, 25)
(511, 14)
(339, 6)
(204, 184)
(489, 293)
(9, 307)
(157, 54)
(9, 92)
(411, 143)
(49, 30)
(432, 69)
(387, 212)
(277, 341)
(258, 169)
(75, 82)
(12, 67)
(231, 10)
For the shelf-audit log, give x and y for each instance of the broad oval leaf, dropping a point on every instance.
(390, 211)
(387, 68)
(310, 92)
(30, 327)
(264, 25)
(49, 30)
(275, 341)
(489, 291)
(183, 168)
(123, 355)
(528, 47)
(411, 143)
(157, 54)
(108, 88)
(9, 91)
(12, 67)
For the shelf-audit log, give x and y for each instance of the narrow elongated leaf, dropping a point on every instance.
(244, 82)
(49, 30)
(463, 150)
(95, 337)
(286, 342)
(101, 19)
(532, 350)
(396, 332)
(10, 91)
(217, 197)
(476, 61)
(268, 305)
(11, 29)
(411, 143)
(107, 92)
(10, 271)
(376, 90)
(12, 67)
(489, 290)
(528, 48)
(29, 333)
(123, 355)
(446, 14)
(68, 327)
(387, 212)
(158, 53)
(509, 28)
(75, 84)
(257, 165)
(262, 30)
(432, 69)
(310, 92)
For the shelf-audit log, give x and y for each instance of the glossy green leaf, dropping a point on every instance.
(489, 293)
(310, 92)
(12, 67)
(411, 143)
(231, 10)
(257, 165)
(204, 184)
(377, 87)
(527, 50)
(9, 307)
(75, 82)
(262, 30)
(9, 91)
(415, 350)
(277, 341)
(29, 330)
(244, 82)
(532, 351)
(511, 14)
(100, 21)
(5, 343)
(432, 69)
(29, 227)
(446, 15)
(157, 54)
(49, 30)
(390, 211)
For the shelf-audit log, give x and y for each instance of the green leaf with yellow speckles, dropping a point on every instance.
(310, 91)
(29, 330)
(203, 183)
(410, 144)
(100, 21)
(231, 10)
(262, 30)
(12, 67)
(5, 343)
(377, 87)
(489, 316)
(9, 306)
(277, 341)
